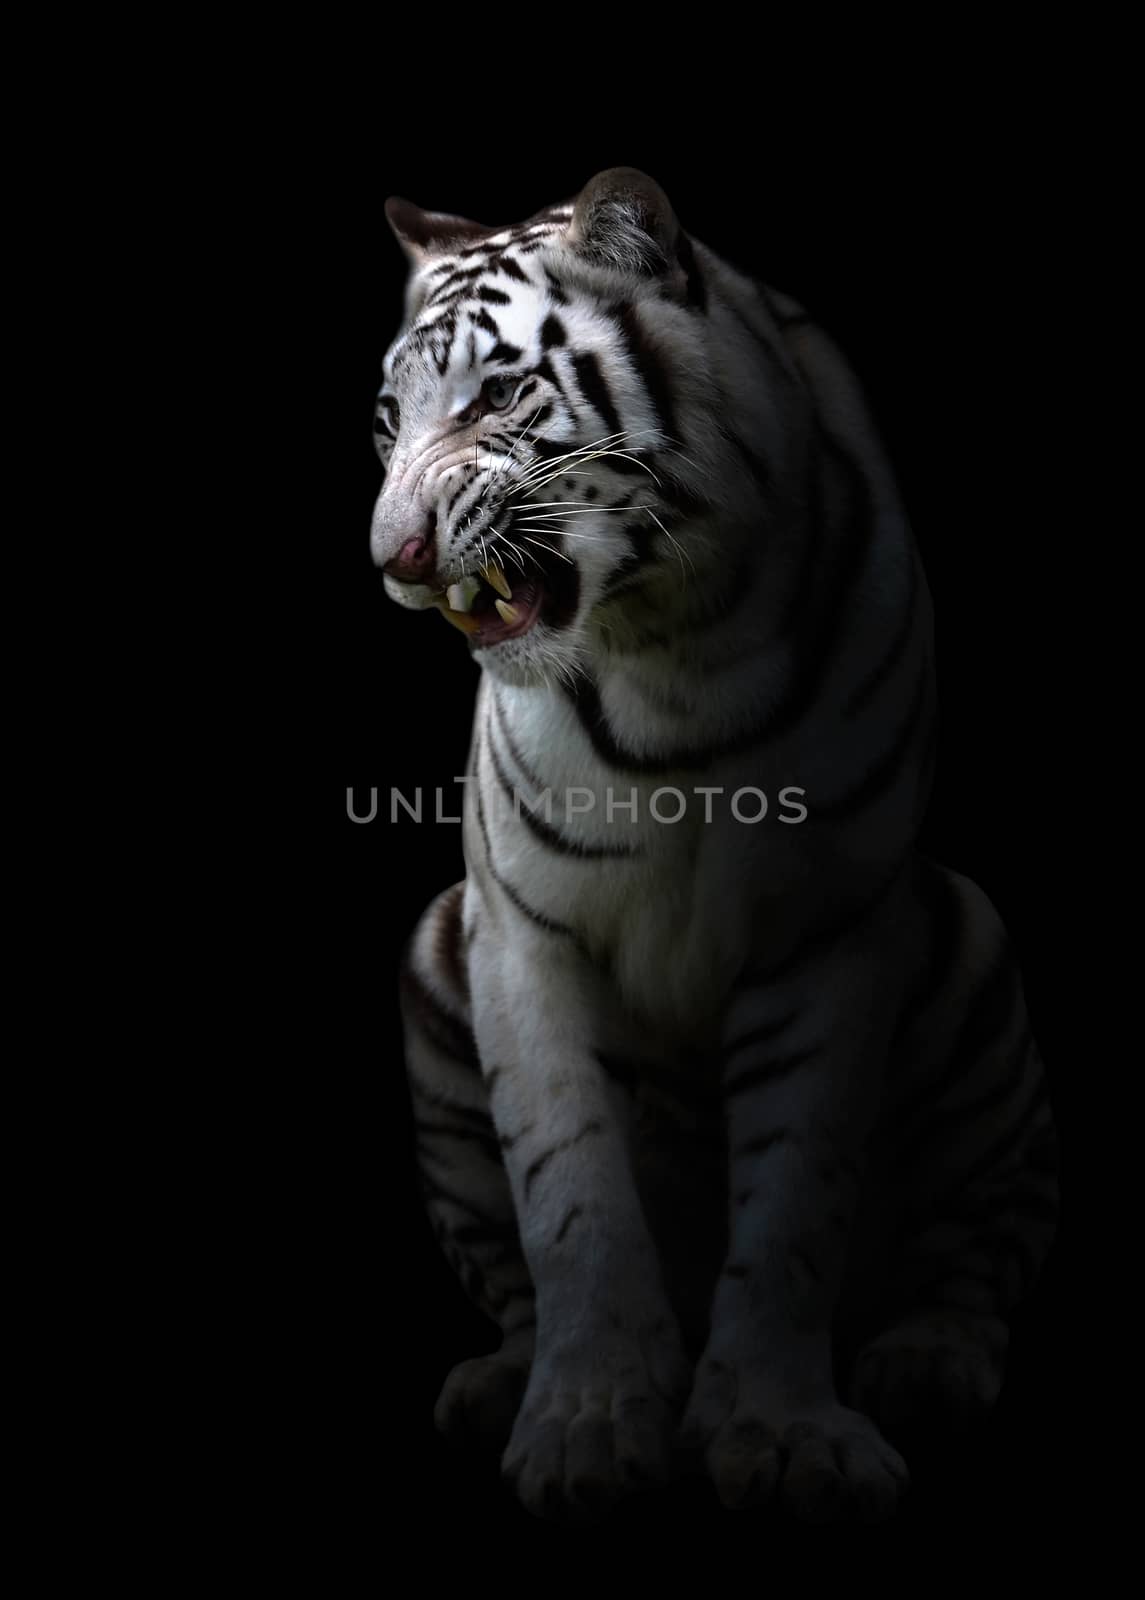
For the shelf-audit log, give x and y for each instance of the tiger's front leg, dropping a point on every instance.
(600, 1410)
(803, 1061)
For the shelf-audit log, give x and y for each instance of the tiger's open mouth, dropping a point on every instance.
(489, 607)
(498, 602)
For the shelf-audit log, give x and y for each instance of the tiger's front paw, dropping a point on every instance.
(822, 1462)
(481, 1396)
(938, 1369)
(591, 1430)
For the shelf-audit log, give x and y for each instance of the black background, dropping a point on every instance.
(928, 252)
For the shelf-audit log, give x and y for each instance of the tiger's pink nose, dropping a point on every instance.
(415, 560)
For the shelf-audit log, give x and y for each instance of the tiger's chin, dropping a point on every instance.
(536, 655)
(515, 651)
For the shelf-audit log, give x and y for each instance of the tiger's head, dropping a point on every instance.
(552, 424)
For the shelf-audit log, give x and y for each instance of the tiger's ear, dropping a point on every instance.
(423, 234)
(623, 219)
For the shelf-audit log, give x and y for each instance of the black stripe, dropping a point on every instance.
(1003, 1148)
(433, 1189)
(591, 382)
(761, 1142)
(797, 319)
(483, 1233)
(621, 1072)
(641, 538)
(534, 1170)
(649, 367)
(448, 941)
(886, 770)
(508, 1140)
(776, 357)
(800, 602)
(445, 1130)
(544, 369)
(444, 351)
(696, 292)
(543, 449)
(494, 434)
(455, 498)
(546, 833)
(570, 1217)
(781, 323)
(514, 749)
(482, 319)
(809, 1267)
(451, 300)
(760, 1035)
(988, 1018)
(585, 697)
(631, 468)
(560, 298)
(477, 1117)
(716, 606)
(541, 417)
(756, 464)
(460, 275)
(446, 1032)
(504, 352)
(816, 617)
(509, 267)
(552, 332)
(549, 924)
(768, 1071)
(563, 586)
(493, 297)
(942, 906)
(998, 1093)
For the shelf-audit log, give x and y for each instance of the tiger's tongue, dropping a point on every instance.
(505, 620)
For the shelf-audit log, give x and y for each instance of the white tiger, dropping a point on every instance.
(719, 1119)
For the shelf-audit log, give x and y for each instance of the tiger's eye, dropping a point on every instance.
(501, 392)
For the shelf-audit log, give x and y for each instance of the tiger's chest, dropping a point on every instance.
(655, 875)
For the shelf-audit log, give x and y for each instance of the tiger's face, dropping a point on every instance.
(527, 417)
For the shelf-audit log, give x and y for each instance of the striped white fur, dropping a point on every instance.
(680, 1086)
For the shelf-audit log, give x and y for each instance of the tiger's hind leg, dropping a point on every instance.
(463, 1178)
(940, 1361)
(974, 1150)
